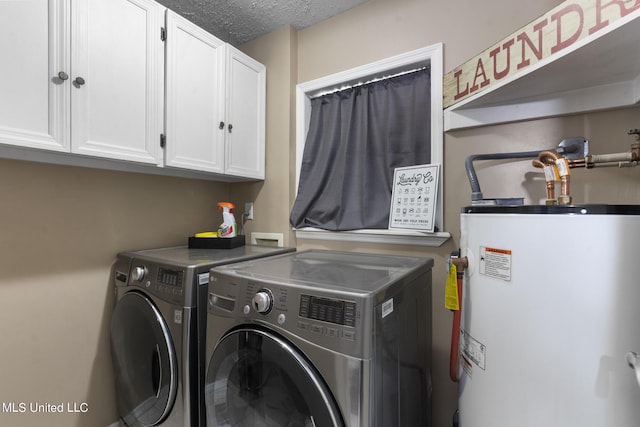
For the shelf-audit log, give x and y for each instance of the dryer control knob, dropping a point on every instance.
(138, 274)
(262, 301)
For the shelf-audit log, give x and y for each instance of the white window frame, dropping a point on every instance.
(431, 56)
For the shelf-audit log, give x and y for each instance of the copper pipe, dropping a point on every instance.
(563, 166)
(635, 151)
(548, 157)
(577, 163)
(564, 185)
(551, 192)
(629, 158)
(461, 264)
(551, 186)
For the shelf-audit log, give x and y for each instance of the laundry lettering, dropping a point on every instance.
(554, 32)
(415, 179)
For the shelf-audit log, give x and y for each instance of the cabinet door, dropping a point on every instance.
(195, 97)
(117, 51)
(246, 80)
(34, 102)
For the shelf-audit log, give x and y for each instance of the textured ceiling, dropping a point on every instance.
(238, 21)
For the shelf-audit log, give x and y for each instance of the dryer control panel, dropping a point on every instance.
(161, 281)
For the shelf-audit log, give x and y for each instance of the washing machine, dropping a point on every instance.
(157, 331)
(320, 338)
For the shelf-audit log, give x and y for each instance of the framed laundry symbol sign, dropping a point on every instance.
(413, 199)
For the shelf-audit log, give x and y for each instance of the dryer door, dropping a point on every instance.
(144, 361)
(256, 378)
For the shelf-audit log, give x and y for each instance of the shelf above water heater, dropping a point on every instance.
(599, 72)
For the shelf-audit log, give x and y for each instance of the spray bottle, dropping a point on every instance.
(228, 228)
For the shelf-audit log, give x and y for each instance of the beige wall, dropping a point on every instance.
(382, 28)
(271, 197)
(62, 226)
(61, 229)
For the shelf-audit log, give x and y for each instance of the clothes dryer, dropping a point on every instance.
(320, 338)
(157, 331)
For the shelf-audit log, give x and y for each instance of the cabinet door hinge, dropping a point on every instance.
(163, 33)
(163, 140)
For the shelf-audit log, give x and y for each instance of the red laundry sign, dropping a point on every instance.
(557, 30)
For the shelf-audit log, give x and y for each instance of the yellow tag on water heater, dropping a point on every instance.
(451, 301)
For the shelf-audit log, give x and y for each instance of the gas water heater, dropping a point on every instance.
(550, 316)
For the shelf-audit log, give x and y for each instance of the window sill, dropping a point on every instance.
(393, 237)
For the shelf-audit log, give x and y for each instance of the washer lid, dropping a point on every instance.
(344, 271)
(144, 361)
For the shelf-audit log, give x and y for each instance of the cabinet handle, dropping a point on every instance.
(79, 81)
(230, 127)
(221, 126)
(63, 76)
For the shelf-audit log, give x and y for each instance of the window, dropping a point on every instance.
(427, 57)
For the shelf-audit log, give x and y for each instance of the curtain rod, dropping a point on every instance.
(374, 80)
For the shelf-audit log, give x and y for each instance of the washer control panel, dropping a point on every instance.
(262, 301)
(330, 310)
(320, 316)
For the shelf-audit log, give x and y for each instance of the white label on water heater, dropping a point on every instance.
(495, 263)
(472, 349)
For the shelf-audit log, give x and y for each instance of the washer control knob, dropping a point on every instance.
(262, 301)
(138, 274)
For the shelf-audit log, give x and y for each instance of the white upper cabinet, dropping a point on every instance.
(245, 133)
(83, 83)
(215, 104)
(117, 78)
(195, 97)
(34, 101)
(90, 81)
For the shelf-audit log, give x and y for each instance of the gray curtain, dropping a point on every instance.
(355, 140)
